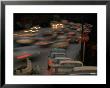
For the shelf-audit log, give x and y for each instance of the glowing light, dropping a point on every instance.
(35, 27)
(33, 31)
(26, 31)
(57, 26)
(61, 24)
(30, 30)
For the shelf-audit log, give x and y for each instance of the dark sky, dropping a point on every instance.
(45, 18)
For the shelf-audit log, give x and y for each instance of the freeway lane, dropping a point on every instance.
(40, 54)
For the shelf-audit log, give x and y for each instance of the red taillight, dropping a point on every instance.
(23, 56)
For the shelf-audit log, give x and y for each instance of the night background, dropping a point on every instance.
(45, 18)
(27, 20)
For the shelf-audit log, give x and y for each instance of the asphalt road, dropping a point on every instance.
(40, 54)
